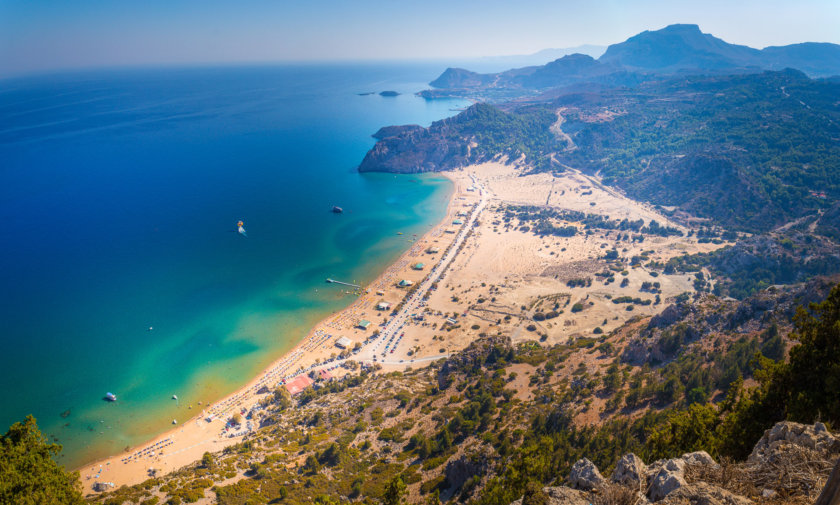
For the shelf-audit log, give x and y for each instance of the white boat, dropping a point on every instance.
(174, 397)
(111, 397)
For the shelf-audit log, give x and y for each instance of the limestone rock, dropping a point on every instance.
(562, 495)
(701, 493)
(699, 458)
(669, 476)
(784, 434)
(585, 475)
(630, 471)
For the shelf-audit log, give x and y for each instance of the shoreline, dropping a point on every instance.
(207, 430)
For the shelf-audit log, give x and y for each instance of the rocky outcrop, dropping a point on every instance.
(778, 440)
(699, 458)
(630, 471)
(665, 477)
(393, 131)
(585, 476)
(789, 458)
(413, 149)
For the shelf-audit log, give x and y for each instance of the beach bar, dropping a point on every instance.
(298, 384)
(343, 343)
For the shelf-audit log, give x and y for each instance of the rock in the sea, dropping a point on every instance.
(777, 439)
(666, 477)
(702, 493)
(388, 93)
(630, 471)
(585, 475)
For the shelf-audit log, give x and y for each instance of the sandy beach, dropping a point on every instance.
(476, 272)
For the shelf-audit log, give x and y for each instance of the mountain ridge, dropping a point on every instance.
(679, 49)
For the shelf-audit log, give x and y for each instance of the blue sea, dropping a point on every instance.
(119, 199)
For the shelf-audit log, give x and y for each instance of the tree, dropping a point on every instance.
(207, 460)
(311, 465)
(812, 378)
(394, 491)
(613, 378)
(282, 398)
(28, 474)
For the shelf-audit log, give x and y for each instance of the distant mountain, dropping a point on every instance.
(817, 59)
(565, 71)
(679, 47)
(491, 64)
(650, 55)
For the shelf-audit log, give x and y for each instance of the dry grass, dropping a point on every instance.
(616, 494)
(796, 475)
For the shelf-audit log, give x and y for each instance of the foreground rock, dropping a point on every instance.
(585, 476)
(630, 471)
(810, 450)
(782, 437)
(666, 477)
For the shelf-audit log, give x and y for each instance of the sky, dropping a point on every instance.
(47, 35)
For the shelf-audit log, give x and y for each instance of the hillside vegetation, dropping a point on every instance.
(497, 418)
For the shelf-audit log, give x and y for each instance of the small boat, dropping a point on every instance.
(174, 421)
(337, 210)
(399, 233)
(174, 397)
(111, 397)
(240, 227)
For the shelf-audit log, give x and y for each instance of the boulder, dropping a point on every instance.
(702, 493)
(562, 495)
(699, 458)
(585, 475)
(666, 477)
(630, 471)
(777, 439)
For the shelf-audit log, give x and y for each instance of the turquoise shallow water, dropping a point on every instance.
(120, 195)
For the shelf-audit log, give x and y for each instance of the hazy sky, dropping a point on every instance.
(40, 35)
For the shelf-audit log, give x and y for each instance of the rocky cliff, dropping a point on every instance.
(790, 464)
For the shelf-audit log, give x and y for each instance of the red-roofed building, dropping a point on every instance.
(298, 384)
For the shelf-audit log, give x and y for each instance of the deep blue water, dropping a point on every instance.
(119, 199)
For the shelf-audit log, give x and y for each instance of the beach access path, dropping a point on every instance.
(416, 301)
